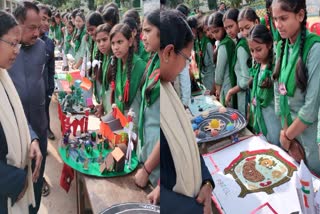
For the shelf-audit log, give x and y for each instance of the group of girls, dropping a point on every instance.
(114, 56)
(269, 72)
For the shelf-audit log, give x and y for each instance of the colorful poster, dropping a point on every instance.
(263, 178)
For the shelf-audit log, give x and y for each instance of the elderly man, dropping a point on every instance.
(27, 76)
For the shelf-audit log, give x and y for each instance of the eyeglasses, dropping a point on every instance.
(184, 56)
(13, 45)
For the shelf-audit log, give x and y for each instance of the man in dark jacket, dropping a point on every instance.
(48, 74)
(49, 69)
(27, 76)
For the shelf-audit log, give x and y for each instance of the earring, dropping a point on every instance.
(166, 60)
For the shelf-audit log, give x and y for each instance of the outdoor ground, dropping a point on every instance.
(58, 201)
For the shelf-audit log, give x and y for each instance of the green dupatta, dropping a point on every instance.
(67, 43)
(260, 98)
(275, 33)
(58, 32)
(138, 67)
(287, 83)
(79, 39)
(148, 99)
(200, 47)
(105, 66)
(143, 54)
(230, 47)
(241, 43)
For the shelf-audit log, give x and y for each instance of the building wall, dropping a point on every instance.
(8, 4)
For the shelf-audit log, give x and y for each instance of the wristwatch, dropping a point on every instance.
(207, 182)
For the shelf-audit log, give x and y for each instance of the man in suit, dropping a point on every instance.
(27, 76)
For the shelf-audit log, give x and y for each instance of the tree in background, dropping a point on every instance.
(212, 4)
(91, 5)
(70, 4)
(55, 3)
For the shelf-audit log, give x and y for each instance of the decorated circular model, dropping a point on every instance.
(219, 125)
(132, 208)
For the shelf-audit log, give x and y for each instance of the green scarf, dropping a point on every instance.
(241, 43)
(79, 39)
(105, 66)
(143, 54)
(58, 32)
(95, 50)
(230, 47)
(260, 98)
(138, 66)
(275, 33)
(152, 76)
(51, 32)
(67, 42)
(288, 68)
(200, 47)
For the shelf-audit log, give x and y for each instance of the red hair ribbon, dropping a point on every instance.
(126, 91)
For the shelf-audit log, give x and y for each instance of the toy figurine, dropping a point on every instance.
(131, 135)
(85, 164)
(93, 136)
(68, 151)
(100, 159)
(131, 115)
(66, 137)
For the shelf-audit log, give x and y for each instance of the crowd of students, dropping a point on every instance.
(120, 57)
(267, 71)
(266, 67)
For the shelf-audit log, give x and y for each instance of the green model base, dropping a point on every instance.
(77, 162)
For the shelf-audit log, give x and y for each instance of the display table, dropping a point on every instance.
(103, 193)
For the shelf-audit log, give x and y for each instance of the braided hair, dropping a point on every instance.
(111, 15)
(133, 13)
(112, 76)
(131, 22)
(268, 10)
(249, 14)
(301, 77)
(261, 34)
(125, 30)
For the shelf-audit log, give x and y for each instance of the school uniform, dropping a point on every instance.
(105, 88)
(80, 46)
(142, 53)
(68, 49)
(224, 75)
(265, 120)
(149, 117)
(241, 70)
(134, 96)
(295, 103)
(204, 59)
